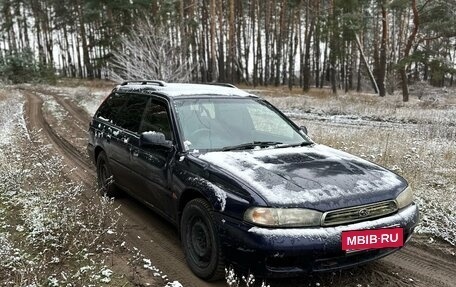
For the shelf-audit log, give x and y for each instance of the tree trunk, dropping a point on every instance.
(259, 53)
(85, 46)
(332, 50)
(408, 47)
(311, 27)
(317, 47)
(279, 35)
(383, 46)
(231, 42)
(363, 57)
(213, 36)
(267, 33)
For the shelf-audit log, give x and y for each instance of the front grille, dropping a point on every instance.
(358, 213)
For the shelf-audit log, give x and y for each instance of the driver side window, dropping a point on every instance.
(156, 119)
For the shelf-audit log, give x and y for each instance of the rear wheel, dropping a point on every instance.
(105, 178)
(201, 244)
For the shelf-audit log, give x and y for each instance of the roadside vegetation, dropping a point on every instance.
(49, 234)
(53, 231)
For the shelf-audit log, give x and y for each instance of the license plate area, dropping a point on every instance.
(359, 240)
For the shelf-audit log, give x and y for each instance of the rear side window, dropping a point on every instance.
(156, 119)
(111, 106)
(130, 115)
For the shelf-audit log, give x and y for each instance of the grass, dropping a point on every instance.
(436, 108)
(51, 229)
(51, 232)
(93, 84)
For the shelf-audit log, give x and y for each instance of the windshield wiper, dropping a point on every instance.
(251, 145)
(294, 145)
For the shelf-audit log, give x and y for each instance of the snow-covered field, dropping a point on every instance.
(11, 116)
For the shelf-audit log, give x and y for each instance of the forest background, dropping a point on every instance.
(363, 45)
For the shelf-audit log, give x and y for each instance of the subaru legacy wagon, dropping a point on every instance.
(243, 184)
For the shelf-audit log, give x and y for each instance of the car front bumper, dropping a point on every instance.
(289, 252)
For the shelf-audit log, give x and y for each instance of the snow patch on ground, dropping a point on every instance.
(10, 116)
(173, 284)
(87, 98)
(52, 107)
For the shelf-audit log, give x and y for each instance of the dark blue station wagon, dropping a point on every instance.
(243, 184)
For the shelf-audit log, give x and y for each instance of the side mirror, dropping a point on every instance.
(303, 129)
(149, 139)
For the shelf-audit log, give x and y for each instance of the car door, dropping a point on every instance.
(124, 135)
(108, 131)
(151, 165)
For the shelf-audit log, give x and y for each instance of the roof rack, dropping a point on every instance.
(228, 85)
(144, 82)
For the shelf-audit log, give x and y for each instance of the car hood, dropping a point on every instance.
(316, 177)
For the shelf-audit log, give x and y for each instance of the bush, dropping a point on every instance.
(21, 67)
(148, 53)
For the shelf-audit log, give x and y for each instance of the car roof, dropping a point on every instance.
(174, 90)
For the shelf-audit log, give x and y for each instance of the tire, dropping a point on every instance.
(201, 245)
(105, 178)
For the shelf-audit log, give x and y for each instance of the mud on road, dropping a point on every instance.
(415, 265)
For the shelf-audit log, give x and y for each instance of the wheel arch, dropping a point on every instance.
(188, 195)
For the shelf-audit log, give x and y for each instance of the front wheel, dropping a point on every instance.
(201, 244)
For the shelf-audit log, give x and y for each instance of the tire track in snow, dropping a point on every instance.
(36, 120)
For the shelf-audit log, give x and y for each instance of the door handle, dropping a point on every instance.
(135, 153)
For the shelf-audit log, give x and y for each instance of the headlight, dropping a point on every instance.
(405, 198)
(285, 217)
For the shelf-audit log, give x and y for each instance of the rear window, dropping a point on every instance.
(130, 115)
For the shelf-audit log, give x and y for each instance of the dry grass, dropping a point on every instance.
(92, 84)
(370, 107)
(2, 95)
(55, 235)
(425, 99)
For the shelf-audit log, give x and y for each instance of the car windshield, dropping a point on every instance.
(233, 123)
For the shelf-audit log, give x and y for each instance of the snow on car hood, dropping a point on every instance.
(316, 176)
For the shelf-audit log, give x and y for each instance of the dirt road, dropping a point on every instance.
(415, 265)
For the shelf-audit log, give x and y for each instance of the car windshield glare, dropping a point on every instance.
(233, 123)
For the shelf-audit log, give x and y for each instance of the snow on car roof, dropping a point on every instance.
(178, 89)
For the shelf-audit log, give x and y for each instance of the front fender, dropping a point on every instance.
(224, 194)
